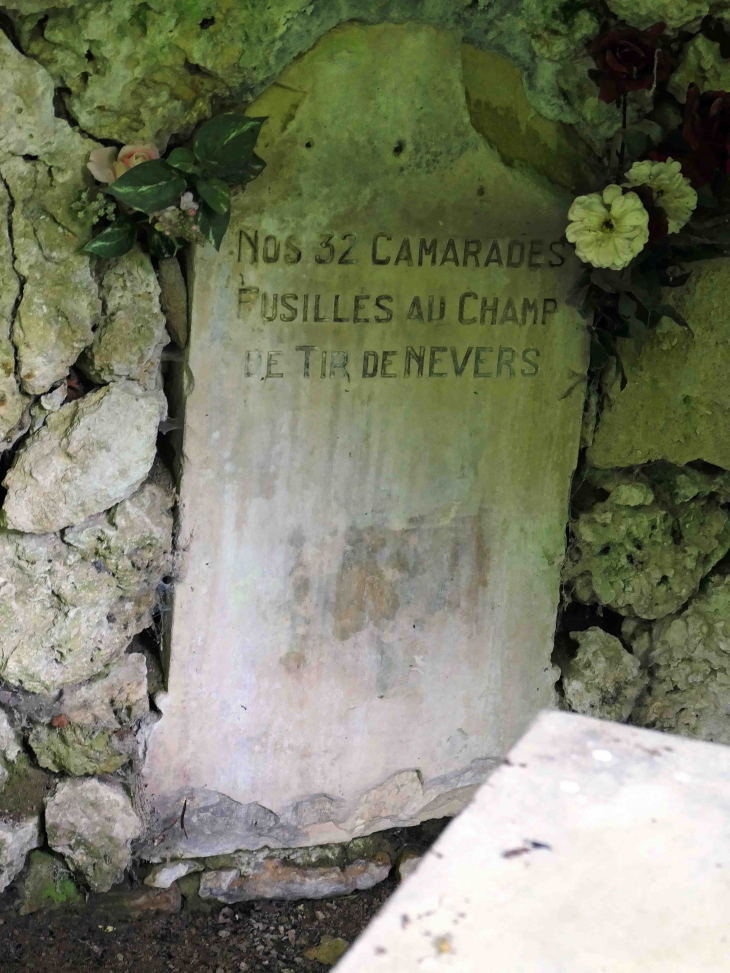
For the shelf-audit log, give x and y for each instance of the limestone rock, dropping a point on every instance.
(399, 797)
(142, 84)
(603, 680)
(48, 885)
(17, 838)
(92, 824)
(408, 863)
(76, 750)
(648, 558)
(68, 609)
(330, 950)
(91, 454)
(677, 395)
(129, 341)
(275, 878)
(28, 121)
(674, 13)
(689, 664)
(115, 699)
(174, 299)
(10, 739)
(163, 876)
(60, 303)
(134, 538)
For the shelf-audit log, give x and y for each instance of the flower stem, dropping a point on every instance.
(624, 107)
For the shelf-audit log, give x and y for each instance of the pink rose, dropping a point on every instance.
(107, 165)
(101, 164)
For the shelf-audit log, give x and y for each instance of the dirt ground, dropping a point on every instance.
(259, 937)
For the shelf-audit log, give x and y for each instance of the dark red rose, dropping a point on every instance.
(658, 222)
(628, 60)
(706, 129)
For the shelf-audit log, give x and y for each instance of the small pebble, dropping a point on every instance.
(224, 933)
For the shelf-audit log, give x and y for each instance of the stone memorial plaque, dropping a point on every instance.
(377, 455)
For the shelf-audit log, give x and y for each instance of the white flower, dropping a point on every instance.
(672, 191)
(609, 228)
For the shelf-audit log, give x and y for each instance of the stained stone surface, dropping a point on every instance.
(677, 396)
(373, 535)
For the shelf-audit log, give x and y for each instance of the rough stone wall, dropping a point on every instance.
(86, 536)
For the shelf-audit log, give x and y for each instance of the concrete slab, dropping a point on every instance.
(378, 451)
(596, 848)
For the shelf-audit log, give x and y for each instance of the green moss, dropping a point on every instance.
(25, 790)
(48, 884)
(76, 750)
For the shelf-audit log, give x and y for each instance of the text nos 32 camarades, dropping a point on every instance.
(504, 344)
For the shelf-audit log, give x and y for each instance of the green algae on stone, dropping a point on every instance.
(47, 885)
(138, 71)
(24, 790)
(75, 750)
(674, 13)
(647, 559)
(677, 398)
(688, 658)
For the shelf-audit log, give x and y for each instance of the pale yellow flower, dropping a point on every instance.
(672, 191)
(608, 228)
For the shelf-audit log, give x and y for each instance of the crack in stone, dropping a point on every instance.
(20, 277)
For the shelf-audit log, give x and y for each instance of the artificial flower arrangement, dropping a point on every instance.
(665, 210)
(185, 198)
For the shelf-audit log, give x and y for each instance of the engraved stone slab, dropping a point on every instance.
(377, 455)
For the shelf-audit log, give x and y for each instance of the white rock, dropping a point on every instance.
(603, 679)
(92, 824)
(408, 864)
(68, 609)
(10, 739)
(90, 455)
(17, 838)
(398, 798)
(162, 876)
(113, 700)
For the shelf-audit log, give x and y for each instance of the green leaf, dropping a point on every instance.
(115, 240)
(182, 159)
(162, 245)
(213, 225)
(215, 193)
(626, 306)
(226, 140)
(667, 311)
(149, 187)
